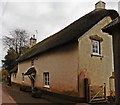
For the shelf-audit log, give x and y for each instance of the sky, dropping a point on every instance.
(45, 16)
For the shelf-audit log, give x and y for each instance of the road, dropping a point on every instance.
(5, 97)
(14, 95)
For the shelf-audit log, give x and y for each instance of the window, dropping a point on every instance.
(32, 62)
(23, 77)
(46, 79)
(95, 47)
(14, 75)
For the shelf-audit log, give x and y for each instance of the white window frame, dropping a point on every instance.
(95, 47)
(46, 79)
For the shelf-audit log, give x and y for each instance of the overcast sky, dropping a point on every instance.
(45, 16)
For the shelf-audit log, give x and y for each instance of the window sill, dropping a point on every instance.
(96, 55)
(46, 86)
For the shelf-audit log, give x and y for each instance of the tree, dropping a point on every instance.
(10, 60)
(17, 40)
(3, 75)
(17, 43)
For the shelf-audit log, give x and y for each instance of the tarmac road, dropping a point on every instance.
(5, 97)
(14, 95)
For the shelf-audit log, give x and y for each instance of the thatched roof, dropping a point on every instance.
(70, 33)
(115, 24)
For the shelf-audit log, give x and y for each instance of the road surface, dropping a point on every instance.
(5, 97)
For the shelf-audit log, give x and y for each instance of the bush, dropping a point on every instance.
(25, 88)
(36, 93)
(111, 99)
(3, 75)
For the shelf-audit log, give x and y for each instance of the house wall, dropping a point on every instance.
(22, 68)
(97, 69)
(62, 65)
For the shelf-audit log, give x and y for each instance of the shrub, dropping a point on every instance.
(25, 88)
(36, 93)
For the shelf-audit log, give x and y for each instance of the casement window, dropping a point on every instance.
(32, 62)
(95, 47)
(14, 75)
(23, 77)
(46, 79)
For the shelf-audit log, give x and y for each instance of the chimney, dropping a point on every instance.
(100, 5)
(32, 41)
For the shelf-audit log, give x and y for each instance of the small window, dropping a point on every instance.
(23, 77)
(14, 75)
(32, 62)
(95, 47)
(46, 79)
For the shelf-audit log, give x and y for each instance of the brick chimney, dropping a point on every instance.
(100, 5)
(32, 41)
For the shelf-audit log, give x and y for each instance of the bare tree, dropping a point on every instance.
(18, 39)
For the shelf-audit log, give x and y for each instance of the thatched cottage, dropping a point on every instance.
(64, 61)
